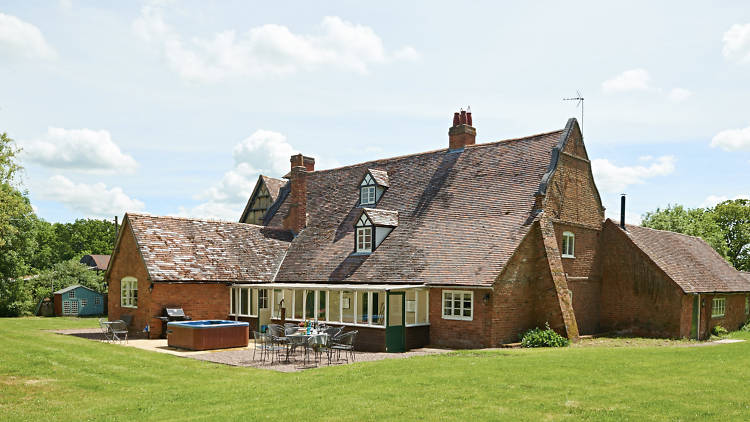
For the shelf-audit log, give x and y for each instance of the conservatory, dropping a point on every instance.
(389, 317)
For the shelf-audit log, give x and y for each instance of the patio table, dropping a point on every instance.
(300, 339)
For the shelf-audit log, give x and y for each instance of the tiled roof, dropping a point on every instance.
(461, 215)
(380, 176)
(99, 262)
(182, 249)
(689, 261)
(73, 287)
(273, 185)
(380, 217)
(746, 275)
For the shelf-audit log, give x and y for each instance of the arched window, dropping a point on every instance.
(568, 245)
(129, 292)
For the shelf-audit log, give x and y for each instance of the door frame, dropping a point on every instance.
(389, 332)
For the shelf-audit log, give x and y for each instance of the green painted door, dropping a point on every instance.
(395, 340)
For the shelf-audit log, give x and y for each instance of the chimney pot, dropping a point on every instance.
(462, 133)
(300, 160)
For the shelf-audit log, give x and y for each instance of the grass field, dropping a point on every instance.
(45, 376)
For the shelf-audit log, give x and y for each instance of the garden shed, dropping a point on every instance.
(78, 300)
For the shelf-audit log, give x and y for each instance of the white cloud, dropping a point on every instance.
(22, 39)
(737, 43)
(92, 200)
(264, 152)
(712, 200)
(629, 80)
(266, 49)
(679, 95)
(79, 149)
(611, 178)
(732, 139)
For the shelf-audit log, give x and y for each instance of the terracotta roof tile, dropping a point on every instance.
(273, 185)
(380, 176)
(380, 217)
(691, 262)
(182, 249)
(460, 216)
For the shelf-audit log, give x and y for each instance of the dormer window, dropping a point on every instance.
(372, 186)
(372, 227)
(364, 234)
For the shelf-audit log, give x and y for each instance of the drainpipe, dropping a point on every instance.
(698, 331)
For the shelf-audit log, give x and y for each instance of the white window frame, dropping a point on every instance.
(718, 304)
(460, 315)
(362, 245)
(568, 245)
(367, 195)
(129, 292)
(97, 301)
(72, 294)
(83, 302)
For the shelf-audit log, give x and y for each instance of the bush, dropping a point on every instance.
(543, 338)
(719, 331)
(746, 327)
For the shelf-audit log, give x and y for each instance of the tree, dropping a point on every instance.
(694, 222)
(17, 241)
(734, 219)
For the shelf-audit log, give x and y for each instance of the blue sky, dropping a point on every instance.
(176, 107)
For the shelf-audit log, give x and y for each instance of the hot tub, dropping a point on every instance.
(207, 334)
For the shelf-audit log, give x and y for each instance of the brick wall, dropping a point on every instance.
(460, 333)
(734, 314)
(583, 275)
(127, 262)
(637, 297)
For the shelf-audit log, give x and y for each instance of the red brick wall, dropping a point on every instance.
(199, 301)
(127, 262)
(460, 333)
(734, 314)
(583, 273)
(637, 297)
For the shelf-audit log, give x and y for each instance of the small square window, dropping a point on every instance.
(72, 294)
(83, 302)
(458, 305)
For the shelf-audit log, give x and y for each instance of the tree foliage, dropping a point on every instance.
(36, 256)
(697, 222)
(734, 219)
(726, 227)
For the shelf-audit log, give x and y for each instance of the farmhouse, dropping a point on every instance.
(465, 246)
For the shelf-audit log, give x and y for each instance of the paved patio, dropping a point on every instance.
(243, 356)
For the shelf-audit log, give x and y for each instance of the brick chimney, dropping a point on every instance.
(462, 133)
(296, 220)
(300, 160)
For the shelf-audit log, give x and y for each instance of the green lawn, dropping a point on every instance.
(45, 376)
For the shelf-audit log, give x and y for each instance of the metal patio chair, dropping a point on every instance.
(261, 343)
(104, 326)
(345, 343)
(119, 331)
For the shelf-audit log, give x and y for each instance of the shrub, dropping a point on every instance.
(719, 331)
(746, 326)
(547, 337)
